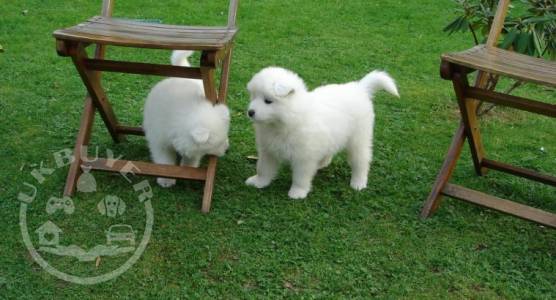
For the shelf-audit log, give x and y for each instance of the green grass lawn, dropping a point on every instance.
(258, 243)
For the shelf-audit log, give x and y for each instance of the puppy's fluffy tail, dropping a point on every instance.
(180, 58)
(379, 80)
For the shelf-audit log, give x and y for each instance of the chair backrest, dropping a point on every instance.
(108, 5)
(492, 39)
(497, 23)
(232, 12)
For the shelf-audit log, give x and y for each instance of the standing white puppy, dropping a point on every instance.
(178, 119)
(306, 128)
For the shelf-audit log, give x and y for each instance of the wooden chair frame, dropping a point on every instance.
(90, 70)
(468, 100)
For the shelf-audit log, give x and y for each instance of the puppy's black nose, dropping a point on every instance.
(251, 113)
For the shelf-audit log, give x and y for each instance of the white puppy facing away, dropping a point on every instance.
(178, 119)
(306, 128)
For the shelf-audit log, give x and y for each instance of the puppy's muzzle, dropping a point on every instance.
(251, 113)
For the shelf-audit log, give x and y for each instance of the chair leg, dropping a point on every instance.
(208, 73)
(208, 60)
(223, 89)
(82, 141)
(468, 109)
(209, 184)
(91, 80)
(435, 196)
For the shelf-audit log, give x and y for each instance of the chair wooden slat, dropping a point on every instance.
(154, 26)
(145, 168)
(121, 32)
(506, 63)
(499, 204)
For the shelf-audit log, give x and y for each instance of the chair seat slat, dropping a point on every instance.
(121, 32)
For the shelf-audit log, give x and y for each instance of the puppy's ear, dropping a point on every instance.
(282, 90)
(200, 135)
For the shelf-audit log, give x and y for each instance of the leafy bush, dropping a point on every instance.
(532, 32)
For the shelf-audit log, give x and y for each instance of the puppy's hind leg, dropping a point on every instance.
(267, 168)
(303, 173)
(194, 162)
(166, 156)
(359, 156)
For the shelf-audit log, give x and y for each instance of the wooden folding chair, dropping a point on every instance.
(215, 44)
(488, 59)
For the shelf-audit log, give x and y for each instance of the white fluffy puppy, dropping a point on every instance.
(178, 119)
(306, 128)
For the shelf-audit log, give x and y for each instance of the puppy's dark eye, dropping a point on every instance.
(267, 101)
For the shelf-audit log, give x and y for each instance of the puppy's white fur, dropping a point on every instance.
(178, 119)
(306, 128)
(181, 58)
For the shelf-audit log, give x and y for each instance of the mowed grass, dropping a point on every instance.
(258, 243)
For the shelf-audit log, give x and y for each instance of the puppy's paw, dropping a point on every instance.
(298, 193)
(257, 182)
(358, 183)
(165, 182)
(190, 162)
